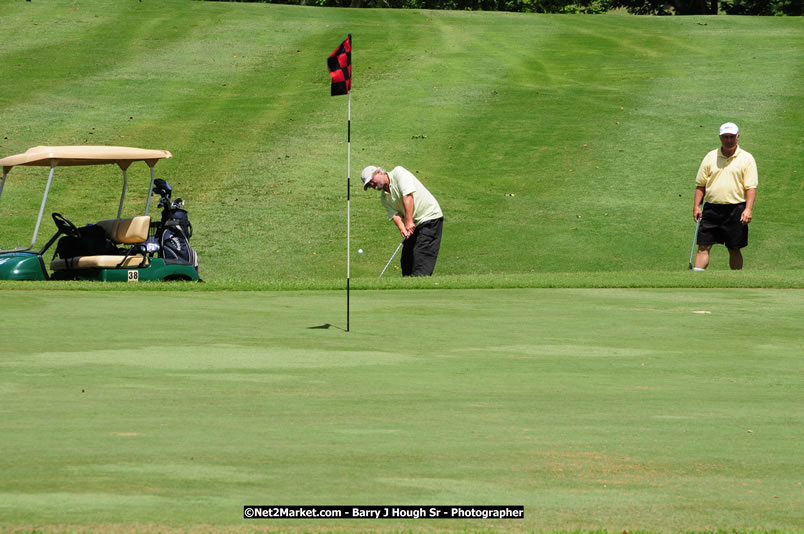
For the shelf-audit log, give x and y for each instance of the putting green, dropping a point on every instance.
(608, 409)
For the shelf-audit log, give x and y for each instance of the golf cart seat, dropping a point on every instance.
(129, 231)
(98, 262)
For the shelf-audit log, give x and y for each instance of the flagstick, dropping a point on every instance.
(348, 197)
(339, 63)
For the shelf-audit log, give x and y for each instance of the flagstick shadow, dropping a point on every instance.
(325, 326)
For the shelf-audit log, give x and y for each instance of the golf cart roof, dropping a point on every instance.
(47, 156)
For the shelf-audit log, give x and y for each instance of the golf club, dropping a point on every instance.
(392, 258)
(694, 239)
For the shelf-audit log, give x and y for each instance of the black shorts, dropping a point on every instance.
(721, 224)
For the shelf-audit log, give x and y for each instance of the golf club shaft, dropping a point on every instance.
(694, 239)
(392, 258)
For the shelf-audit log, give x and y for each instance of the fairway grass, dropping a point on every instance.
(619, 409)
(682, 278)
(553, 143)
(563, 358)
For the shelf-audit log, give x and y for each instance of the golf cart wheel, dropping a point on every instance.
(177, 278)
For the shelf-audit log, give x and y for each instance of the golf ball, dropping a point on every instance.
(360, 251)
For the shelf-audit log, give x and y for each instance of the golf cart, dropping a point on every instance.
(128, 249)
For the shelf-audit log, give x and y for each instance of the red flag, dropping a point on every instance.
(340, 68)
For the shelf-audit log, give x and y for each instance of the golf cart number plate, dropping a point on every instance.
(133, 276)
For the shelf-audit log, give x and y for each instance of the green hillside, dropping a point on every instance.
(554, 143)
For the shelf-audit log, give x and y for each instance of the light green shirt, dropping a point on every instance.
(403, 182)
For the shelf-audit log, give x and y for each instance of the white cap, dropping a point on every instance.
(729, 128)
(368, 174)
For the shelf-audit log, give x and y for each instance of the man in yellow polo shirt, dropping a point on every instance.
(414, 211)
(727, 184)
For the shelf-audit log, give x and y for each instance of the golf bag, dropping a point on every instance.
(175, 239)
(91, 241)
(174, 230)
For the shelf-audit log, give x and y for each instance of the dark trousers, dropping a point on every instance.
(420, 251)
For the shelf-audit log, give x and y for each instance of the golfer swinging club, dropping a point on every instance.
(414, 211)
(727, 183)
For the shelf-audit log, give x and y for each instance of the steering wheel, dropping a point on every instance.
(64, 225)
